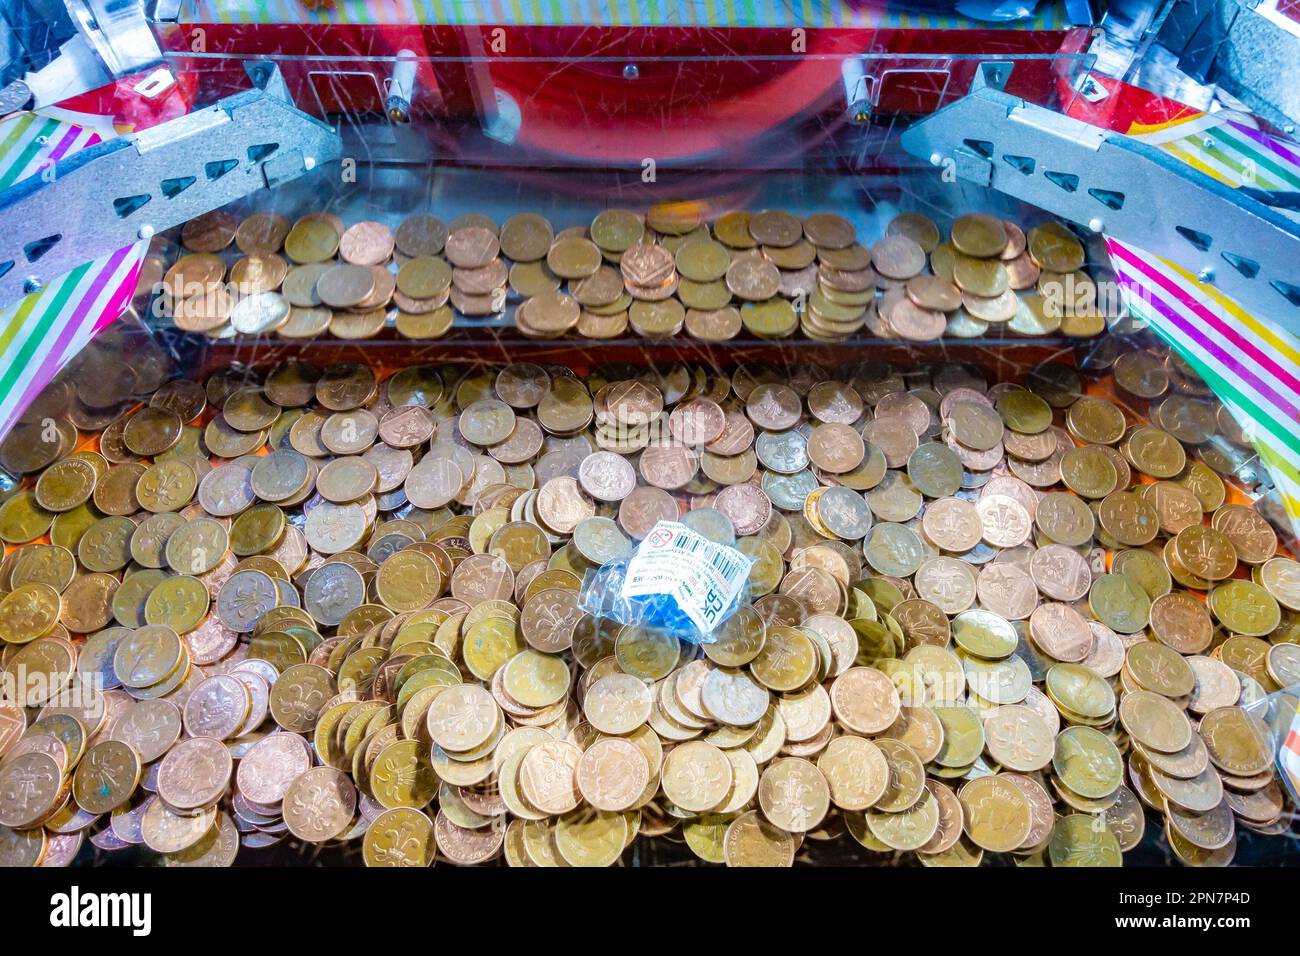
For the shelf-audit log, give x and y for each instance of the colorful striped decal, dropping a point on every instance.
(1227, 146)
(1251, 363)
(42, 331)
(30, 141)
(701, 13)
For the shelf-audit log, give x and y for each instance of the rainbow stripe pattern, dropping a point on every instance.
(40, 332)
(31, 141)
(1251, 363)
(1228, 146)
(627, 13)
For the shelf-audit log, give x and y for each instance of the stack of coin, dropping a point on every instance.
(344, 608)
(976, 278)
(478, 277)
(845, 298)
(770, 274)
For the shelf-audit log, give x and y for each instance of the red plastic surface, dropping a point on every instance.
(696, 91)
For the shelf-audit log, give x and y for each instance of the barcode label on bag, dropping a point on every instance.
(703, 577)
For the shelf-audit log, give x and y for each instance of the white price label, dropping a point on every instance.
(703, 577)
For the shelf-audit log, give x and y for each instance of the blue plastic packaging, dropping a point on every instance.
(681, 583)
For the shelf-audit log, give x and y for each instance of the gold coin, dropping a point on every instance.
(751, 841)
(979, 234)
(106, 776)
(399, 837)
(32, 784)
(423, 278)
(1087, 762)
(1077, 842)
(29, 612)
(982, 277)
(696, 776)
(1244, 608)
(786, 661)
(996, 813)
(403, 777)
(573, 258)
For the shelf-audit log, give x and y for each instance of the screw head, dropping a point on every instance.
(1095, 224)
(32, 284)
(1206, 274)
(309, 162)
(630, 71)
(146, 231)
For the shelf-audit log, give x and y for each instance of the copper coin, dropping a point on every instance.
(835, 402)
(261, 234)
(827, 230)
(979, 234)
(366, 244)
(210, 232)
(472, 247)
(194, 274)
(406, 426)
(643, 508)
(1061, 573)
(270, 766)
(775, 227)
(835, 448)
(737, 434)
(1007, 590)
(343, 286)
(916, 323)
(1060, 632)
(898, 257)
(697, 422)
(194, 773)
(633, 402)
(563, 505)
(421, 234)
(482, 280)
(548, 619)
(667, 465)
(434, 482)
(713, 325)
(933, 292)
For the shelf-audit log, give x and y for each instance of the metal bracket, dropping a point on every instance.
(112, 39)
(118, 33)
(113, 193)
(1111, 183)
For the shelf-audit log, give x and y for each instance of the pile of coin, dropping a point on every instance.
(342, 608)
(768, 274)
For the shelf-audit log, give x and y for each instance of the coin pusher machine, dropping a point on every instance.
(846, 107)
